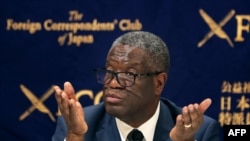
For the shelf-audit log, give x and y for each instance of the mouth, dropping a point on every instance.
(112, 98)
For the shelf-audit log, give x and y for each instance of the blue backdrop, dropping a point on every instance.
(43, 43)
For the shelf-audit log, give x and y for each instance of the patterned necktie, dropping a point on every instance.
(135, 135)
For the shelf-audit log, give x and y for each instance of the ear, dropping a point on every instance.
(159, 82)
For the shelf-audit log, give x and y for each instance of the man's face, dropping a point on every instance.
(137, 101)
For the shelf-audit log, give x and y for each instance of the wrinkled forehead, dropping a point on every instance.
(126, 51)
(127, 55)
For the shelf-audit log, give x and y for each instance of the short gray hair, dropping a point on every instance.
(152, 44)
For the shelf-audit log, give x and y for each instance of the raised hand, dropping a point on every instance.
(189, 121)
(72, 112)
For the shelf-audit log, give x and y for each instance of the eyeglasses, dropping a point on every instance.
(125, 79)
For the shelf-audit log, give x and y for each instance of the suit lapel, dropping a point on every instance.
(108, 130)
(164, 124)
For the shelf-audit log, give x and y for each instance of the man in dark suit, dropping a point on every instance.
(133, 79)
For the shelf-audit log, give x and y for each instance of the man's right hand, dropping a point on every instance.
(72, 112)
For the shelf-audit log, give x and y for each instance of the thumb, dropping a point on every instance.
(205, 104)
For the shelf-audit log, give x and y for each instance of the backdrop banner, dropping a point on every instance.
(45, 43)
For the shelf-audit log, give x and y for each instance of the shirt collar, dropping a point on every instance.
(148, 133)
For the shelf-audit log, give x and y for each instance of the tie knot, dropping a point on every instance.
(135, 135)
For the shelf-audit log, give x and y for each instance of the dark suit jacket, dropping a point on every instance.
(102, 126)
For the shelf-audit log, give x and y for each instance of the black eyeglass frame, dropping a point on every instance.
(115, 74)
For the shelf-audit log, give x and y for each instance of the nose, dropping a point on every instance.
(114, 83)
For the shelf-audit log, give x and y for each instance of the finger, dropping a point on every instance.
(72, 110)
(179, 123)
(186, 116)
(194, 114)
(194, 111)
(79, 108)
(75, 109)
(61, 99)
(204, 105)
(81, 112)
(69, 90)
(58, 93)
(77, 116)
(64, 105)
